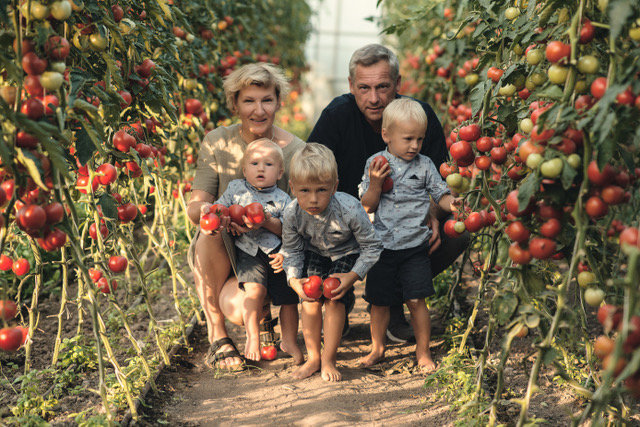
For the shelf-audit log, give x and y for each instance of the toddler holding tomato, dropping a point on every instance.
(403, 272)
(324, 233)
(257, 239)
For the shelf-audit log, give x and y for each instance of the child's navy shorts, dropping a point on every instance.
(256, 269)
(318, 265)
(399, 276)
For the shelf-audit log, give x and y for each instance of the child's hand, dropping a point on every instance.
(346, 282)
(224, 220)
(296, 285)
(378, 171)
(236, 229)
(276, 262)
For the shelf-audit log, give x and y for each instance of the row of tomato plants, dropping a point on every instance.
(103, 105)
(541, 106)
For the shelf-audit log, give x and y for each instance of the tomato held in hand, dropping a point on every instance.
(236, 212)
(268, 352)
(387, 185)
(255, 212)
(329, 285)
(313, 287)
(210, 222)
(219, 209)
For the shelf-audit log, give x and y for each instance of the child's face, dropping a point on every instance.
(313, 197)
(404, 138)
(262, 167)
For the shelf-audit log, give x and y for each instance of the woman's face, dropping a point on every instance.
(256, 107)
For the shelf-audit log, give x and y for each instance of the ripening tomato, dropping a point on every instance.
(104, 231)
(103, 285)
(495, 74)
(329, 285)
(603, 346)
(8, 310)
(630, 236)
(600, 178)
(118, 263)
(609, 316)
(551, 228)
(513, 207)
(127, 212)
(518, 254)
(612, 194)
(557, 51)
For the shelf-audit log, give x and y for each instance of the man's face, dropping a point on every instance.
(373, 89)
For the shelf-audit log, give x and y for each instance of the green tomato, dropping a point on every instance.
(61, 10)
(551, 168)
(51, 80)
(594, 296)
(535, 56)
(511, 13)
(574, 161)
(588, 64)
(471, 79)
(454, 180)
(634, 33)
(526, 125)
(586, 278)
(538, 78)
(507, 90)
(534, 160)
(557, 74)
(459, 227)
(580, 87)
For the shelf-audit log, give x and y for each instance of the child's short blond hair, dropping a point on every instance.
(264, 143)
(314, 163)
(403, 109)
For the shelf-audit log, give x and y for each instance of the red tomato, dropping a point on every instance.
(55, 239)
(557, 51)
(10, 338)
(518, 254)
(599, 87)
(541, 248)
(470, 132)
(5, 263)
(193, 106)
(145, 69)
(329, 285)
(122, 141)
(551, 228)
(484, 144)
(609, 316)
(312, 287)
(612, 194)
(587, 32)
(144, 150)
(95, 274)
(107, 174)
(236, 212)
(268, 352)
(498, 155)
(8, 310)
(254, 212)
(83, 182)
(54, 212)
(210, 222)
(127, 212)
(32, 108)
(118, 12)
(32, 64)
(518, 232)
(387, 184)
(513, 207)
(219, 209)
(118, 263)
(483, 162)
(103, 285)
(449, 230)
(20, 267)
(495, 74)
(57, 47)
(474, 222)
(596, 207)
(104, 231)
(629, 236)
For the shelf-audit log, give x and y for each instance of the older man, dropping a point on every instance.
(350, 126)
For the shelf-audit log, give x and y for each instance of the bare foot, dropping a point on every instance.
(372, 358)
(305, 371)
(330, 372)
(426, 363)
(252, 348)
(294, 351)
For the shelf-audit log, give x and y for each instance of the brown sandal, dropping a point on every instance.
(213, 358)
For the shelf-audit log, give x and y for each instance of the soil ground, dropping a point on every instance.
(391, 392)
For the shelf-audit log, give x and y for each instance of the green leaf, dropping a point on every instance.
(32, 163)
(527, 189)
(568, 174)
(504, 305)
(607, 143)
(85, 147)
(477, 95)
(108, 204)
(549, 355)
(619, 13)
(552, 92)
(56, 154)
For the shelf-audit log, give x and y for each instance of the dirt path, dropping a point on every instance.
(191, 394)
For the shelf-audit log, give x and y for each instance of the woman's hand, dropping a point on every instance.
(378, 171)
(346, 282)
(296, 285)
(276, 262)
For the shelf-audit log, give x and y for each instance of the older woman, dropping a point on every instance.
(254, 93)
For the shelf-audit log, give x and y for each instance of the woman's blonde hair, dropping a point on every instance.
(264, 143)
(403, 109)
(314, 163)
(259, 74)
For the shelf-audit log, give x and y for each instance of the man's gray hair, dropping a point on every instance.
(372, 54)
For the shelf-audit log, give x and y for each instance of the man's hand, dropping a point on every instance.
(378, 171)
(434, 240)
(224, 220)
(296, 285)
(276, 262)
(346, 282)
